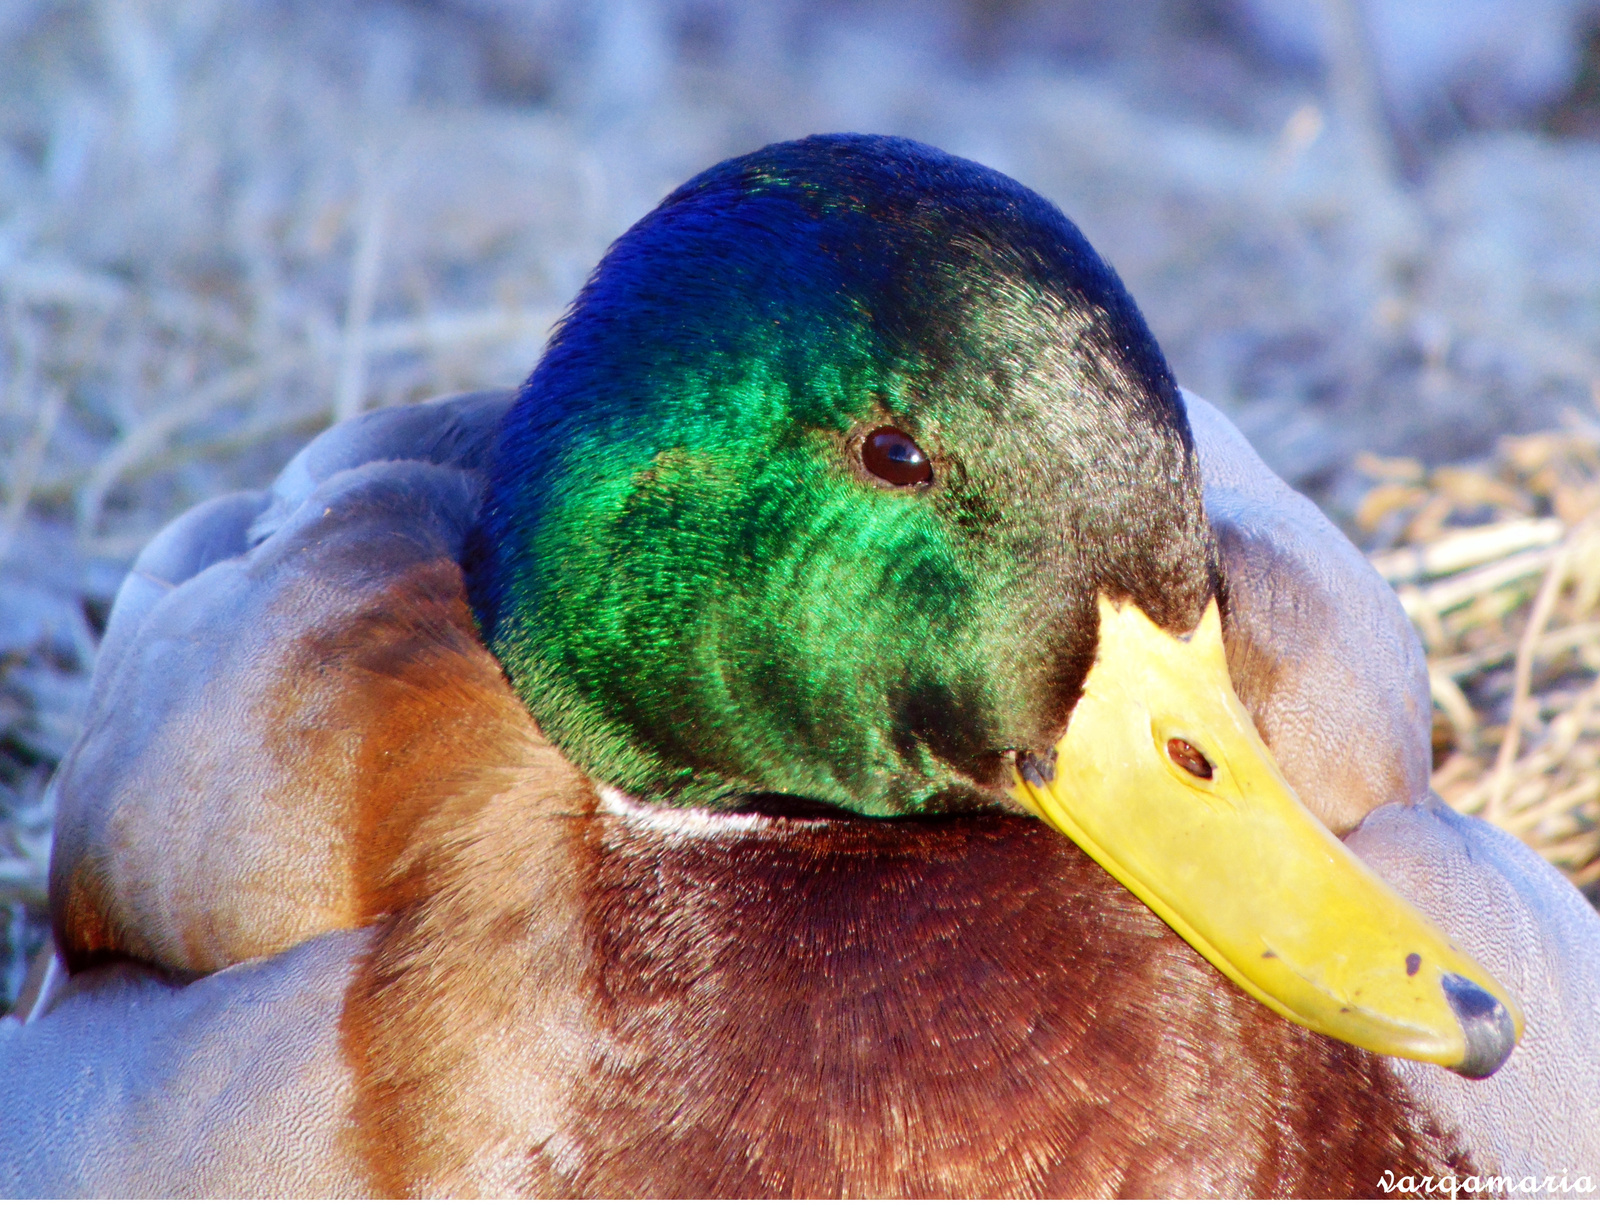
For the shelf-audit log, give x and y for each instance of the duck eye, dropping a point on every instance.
(1190, 758)
(895, 458)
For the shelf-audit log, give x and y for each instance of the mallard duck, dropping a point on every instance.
(848, 725)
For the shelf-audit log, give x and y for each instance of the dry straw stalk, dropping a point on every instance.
(1498, 565)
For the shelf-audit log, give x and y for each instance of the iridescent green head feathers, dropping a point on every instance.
(712, 561)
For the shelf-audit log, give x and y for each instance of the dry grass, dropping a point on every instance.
(224, 225)
(1498, 566)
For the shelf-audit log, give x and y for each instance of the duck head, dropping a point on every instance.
(854, 476)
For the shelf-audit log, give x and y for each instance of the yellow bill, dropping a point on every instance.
(1163, 780)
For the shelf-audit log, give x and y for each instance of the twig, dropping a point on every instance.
(1551, 644)
(1560, 804)
(26, 468)
(22, 880)
(364, 272)
(1456, 708)
(1522, 680)
(154, 431)
(1469, 548)
(1445, 595)
(1354, 88)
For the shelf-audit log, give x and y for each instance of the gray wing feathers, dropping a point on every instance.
(224, 641)
(1514, 913)
(1320, 651)
(235, 1086)
(456, 432)
(205, 535)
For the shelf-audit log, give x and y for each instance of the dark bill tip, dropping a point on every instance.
(1490, 1032)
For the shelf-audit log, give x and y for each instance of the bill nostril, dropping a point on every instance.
(1490, 1032)
(1187, 756)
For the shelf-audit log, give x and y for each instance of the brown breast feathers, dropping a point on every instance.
(968, 1006)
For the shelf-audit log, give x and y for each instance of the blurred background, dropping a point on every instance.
(1367, 229)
